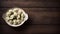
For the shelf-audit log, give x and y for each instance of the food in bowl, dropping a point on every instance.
(15, 17)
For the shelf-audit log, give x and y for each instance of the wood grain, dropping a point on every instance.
(30, 4)
(44, 16)
(31, 29)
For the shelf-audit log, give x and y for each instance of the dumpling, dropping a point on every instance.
(18, 16)
(18, 21)
(22, 15)
(14, 22)
(15, 13)
(12, 16)
(9, 13)
(7, 18)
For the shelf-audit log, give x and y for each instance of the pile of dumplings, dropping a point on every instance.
(15, 16)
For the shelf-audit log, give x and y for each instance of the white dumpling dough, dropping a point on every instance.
(18, 21)
(8, 13)
(15, 13)
(7, 18)
(12, 16)
(18, 16)
(14, 22)
(22, 15)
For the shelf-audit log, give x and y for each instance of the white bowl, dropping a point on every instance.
(25, 19)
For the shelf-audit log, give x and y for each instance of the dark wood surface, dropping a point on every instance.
(44, 16)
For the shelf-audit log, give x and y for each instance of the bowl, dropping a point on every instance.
(11, 21)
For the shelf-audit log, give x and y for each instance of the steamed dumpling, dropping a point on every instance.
(9, 13)
(12, 16)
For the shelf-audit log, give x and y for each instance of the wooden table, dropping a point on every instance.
(43, 16)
